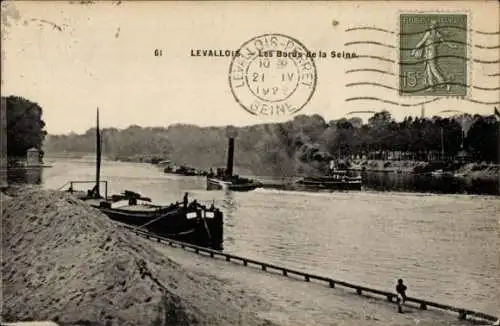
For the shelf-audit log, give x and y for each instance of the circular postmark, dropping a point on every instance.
(273, 74)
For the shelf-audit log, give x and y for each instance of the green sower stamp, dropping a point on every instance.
(433, 54)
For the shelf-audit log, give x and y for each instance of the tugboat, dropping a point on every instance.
(181, 170)
(188, 222)
(224, 179)
(336, 179)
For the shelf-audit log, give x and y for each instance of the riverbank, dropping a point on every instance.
(299, 303)
(66, 262)
(441, 177)
(470, 171)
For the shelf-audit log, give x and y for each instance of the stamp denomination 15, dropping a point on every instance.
(272, 75)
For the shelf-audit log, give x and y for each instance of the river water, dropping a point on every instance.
(445, 247)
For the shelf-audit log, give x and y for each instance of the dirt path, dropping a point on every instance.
(294, 302)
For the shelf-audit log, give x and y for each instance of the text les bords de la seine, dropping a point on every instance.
(275, 53)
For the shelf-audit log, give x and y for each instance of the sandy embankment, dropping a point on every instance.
(66, 262)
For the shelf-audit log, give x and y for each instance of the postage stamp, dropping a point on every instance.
(272, 75)
(433, 54)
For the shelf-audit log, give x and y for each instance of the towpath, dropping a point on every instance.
(293, 302)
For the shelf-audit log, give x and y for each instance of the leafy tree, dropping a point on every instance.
(483, 139)
(25, 127)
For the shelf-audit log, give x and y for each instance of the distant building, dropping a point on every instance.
(33, 157)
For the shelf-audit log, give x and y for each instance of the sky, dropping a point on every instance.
(71, 58)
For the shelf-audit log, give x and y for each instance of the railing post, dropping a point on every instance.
(462, 313)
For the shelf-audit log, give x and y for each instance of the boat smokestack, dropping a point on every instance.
(230, 157)
(231, 135)
(98, 158)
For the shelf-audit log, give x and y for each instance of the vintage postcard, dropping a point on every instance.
(250, 163)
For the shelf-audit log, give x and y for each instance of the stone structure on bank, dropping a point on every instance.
(33, 157)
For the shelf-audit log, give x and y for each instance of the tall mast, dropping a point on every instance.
(98, 157)
(231, 133)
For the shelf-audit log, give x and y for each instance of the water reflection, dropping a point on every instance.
(22, 175)
(382, 181)
(228, 203)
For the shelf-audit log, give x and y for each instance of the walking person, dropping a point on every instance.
(401, 291)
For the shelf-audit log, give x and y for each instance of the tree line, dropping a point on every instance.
(302, 144)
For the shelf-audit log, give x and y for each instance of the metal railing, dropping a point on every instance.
(71, 183)
(332, 283)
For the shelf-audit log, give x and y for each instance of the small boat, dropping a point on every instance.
(440, 173)
(335, 180)
(224, 179)
(437, 173)
(163, 163)
(181, 170)
(235, 183)
(338, 181)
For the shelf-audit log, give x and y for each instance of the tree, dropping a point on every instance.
(483, 139)
(25, 127)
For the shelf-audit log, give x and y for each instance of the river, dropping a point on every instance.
(445, 247)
